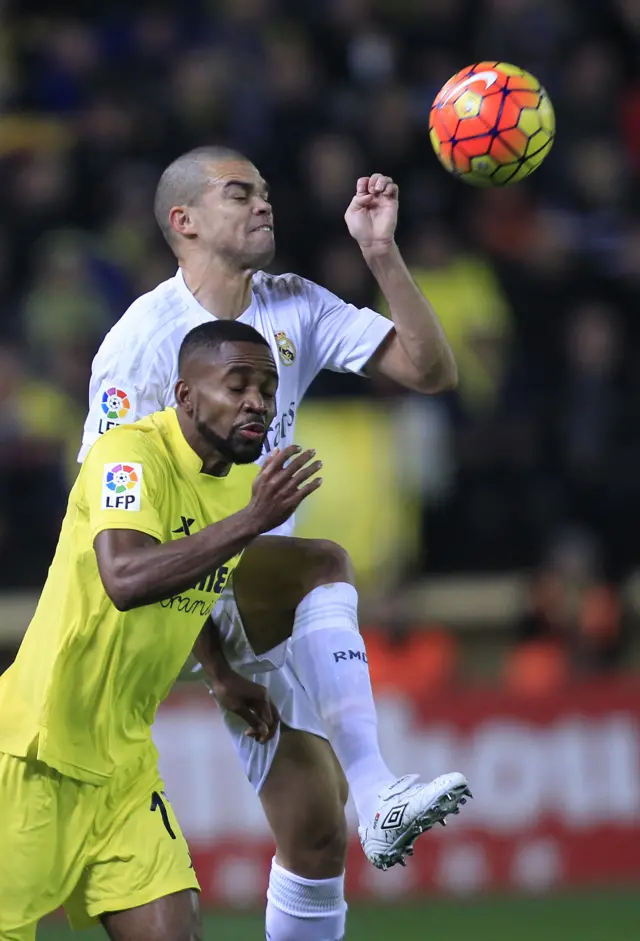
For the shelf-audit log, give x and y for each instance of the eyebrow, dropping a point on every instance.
(271, 371)
(263, 186)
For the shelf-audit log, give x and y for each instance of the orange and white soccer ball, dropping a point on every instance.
(492, 124)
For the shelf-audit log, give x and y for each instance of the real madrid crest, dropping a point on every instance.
(286, 348)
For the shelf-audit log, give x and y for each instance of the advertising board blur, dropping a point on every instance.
(556, 786)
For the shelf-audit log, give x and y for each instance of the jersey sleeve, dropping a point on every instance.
(342, 337)
(125, 388)
(124, 485)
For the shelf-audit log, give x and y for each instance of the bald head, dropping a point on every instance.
(185, 180)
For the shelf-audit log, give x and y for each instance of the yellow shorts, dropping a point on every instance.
(91, 849)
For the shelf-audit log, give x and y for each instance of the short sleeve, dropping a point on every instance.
(342, 337)
(124, 389)
(123, 484)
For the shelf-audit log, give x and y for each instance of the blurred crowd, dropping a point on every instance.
(536, 285)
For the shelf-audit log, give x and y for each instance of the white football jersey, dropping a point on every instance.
(308, 329)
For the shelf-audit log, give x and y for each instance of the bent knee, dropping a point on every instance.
(328, 562)
(318, 851)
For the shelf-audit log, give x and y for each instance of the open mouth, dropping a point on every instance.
(263, 228)
(253, 431)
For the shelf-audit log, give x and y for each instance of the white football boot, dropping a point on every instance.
(406, 810)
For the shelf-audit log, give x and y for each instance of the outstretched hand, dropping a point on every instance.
(286, 478)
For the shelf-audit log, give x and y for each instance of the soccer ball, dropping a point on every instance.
(492, 124)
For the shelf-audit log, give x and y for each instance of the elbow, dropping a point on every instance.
(442, 378)
(125, 574)
(449, 381)
(120, 597)
(122, 603)
(121, 590)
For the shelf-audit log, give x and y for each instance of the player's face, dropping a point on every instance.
(233, 217)
(230, 397)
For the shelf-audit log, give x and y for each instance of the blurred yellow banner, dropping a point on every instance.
(362, 504)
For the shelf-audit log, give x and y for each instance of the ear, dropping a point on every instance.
(183, 397)
(181, 221)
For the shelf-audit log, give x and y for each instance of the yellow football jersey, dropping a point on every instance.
(83, 691)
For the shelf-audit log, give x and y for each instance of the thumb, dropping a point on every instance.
(257, 726)
(362, 201)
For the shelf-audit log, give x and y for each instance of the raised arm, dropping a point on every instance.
(416, 354)
(137, 569)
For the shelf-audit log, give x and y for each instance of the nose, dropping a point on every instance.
(262, 206)
(254, 403)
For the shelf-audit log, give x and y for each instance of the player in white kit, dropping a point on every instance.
(212, 206)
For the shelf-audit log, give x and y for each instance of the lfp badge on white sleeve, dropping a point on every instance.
(121, 487)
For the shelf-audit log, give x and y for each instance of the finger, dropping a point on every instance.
(391, 191)
(278, 460)
(270, 728)
(363, 201)
(264, 712)
(291, 469)
(378, 182)
(253, 720)
(270, 457)
(275, 722)
(362, 185)
(269, 735)
(305, 473)
(303, 492)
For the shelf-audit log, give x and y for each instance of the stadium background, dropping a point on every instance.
(494, 529)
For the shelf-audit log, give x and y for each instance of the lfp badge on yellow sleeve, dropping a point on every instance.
(121, 486)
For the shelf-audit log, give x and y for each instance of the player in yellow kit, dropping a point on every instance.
(155, 524)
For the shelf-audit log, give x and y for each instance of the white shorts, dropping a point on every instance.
(274, 670)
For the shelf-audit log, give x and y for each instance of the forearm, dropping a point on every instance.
(150, 573)
(208, 652)
(418, 328)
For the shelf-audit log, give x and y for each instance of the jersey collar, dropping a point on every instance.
(194, 304)
(185, 454)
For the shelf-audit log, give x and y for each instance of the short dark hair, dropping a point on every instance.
(213, 333)
(184, 181)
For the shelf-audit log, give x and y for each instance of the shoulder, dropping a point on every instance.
(291, 290)
(278, 286)
(138, 441)
(148, 323)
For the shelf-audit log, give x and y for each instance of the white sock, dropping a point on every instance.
(330, 660)
(304, 909)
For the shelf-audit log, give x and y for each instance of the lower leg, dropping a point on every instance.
(303, 589)
(303, 798)
(329, 657)
(300, 909)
